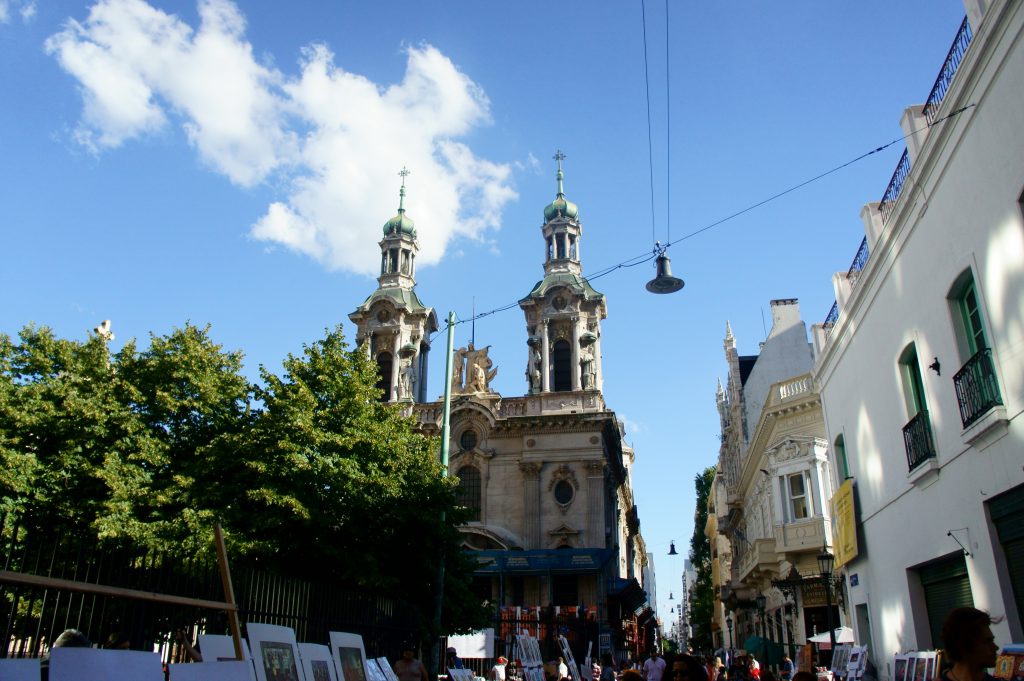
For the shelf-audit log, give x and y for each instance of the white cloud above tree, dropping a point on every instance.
(334, 139)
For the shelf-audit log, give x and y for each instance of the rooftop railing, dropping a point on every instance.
(892, 192)
(949, 67)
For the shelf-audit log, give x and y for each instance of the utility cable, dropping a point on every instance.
(650, 144)
(668, 135)
(648, 256)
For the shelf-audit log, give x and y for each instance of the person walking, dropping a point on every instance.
(786, 670)
(607, 668)
(654, 667)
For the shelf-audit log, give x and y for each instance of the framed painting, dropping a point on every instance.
(317, 662)
(275, 652)
(93, 664)
(899, 668)
(233, 670)
(387, 668)
(349, 656)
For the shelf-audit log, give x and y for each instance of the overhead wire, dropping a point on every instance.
(648, 255)
(650, 144)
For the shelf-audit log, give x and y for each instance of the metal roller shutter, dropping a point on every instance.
(1007, 512)
(946, 586)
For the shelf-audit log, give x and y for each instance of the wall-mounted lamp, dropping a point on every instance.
(936, 367)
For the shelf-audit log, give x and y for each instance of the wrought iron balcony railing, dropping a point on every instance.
(977, 389)
(917, 438)
(858, 263)
(949, 67)
(892, 192)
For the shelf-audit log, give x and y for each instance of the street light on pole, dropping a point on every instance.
(826, 561)
(728, 625)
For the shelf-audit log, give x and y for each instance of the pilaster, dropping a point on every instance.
(531, 503)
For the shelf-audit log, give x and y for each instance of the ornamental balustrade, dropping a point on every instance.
(917, 439)
(977, 389)
(948, 70)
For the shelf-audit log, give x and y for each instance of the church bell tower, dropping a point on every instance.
(563, 311)
(393, 324)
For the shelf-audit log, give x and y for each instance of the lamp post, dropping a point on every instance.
(728, 625)
(761, 601)
(790, 587)
(826, 561)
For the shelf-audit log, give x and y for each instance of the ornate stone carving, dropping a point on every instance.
(588, 376)
(563, 472)
(594, 439)
(531, 442)
(562, 535)
(533, 367)
(530, 470)
(472, 371)
(595, 469)
(406, 380)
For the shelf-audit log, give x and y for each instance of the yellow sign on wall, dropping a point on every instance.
(844, 524)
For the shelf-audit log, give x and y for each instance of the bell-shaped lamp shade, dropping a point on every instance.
(672, 545)
(664, 282)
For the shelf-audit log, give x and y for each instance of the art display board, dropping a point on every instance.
(19, 669)
(916, 666)
(476, 645)
(231, 670)
(349, 656)
(387, 668)
(94, 664)
(218, 648)
(275, 653)
(840, 659)
(461, 674)
(574, 669)
(317, 662)
(857, 661)
(373, 671)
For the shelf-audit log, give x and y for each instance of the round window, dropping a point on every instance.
(468, 439)
(564, 492)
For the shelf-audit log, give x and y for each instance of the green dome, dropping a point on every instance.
(400, 224)
(561, 206)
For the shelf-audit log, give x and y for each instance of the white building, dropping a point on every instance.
(921, 363)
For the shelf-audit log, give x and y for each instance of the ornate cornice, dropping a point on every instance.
(530, 470)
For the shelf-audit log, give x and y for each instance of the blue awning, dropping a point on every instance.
(539, 561)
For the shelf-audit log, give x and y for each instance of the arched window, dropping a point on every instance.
(469, 490)
(563, 366)
(384, 376)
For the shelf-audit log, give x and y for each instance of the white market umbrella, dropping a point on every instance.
(843, 635)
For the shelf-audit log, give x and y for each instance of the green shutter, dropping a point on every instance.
(974, 328)
(946, 586)
(1007, 512)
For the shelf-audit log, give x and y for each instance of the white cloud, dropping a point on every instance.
(337, 137)
(632, 427)
(5, 11)
(28, 11)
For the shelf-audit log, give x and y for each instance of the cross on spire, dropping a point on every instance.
(559, 157)
(404, 172)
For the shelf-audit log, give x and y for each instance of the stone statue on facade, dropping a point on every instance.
(533, 366)
(406, 380)
(472, 372)
(588, 375)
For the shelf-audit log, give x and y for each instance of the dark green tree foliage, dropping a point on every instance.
(702, 600)
(308, 473)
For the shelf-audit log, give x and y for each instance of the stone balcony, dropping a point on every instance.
(758, 560)
(801, 536)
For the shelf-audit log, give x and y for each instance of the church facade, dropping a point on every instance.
(547, 474)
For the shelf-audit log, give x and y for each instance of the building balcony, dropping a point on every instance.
(918, 441)
(760, 558)
(977, 390)
(801, 536)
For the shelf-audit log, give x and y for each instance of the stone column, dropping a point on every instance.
(545, 381)
(595, 503)
(575, 353)
(531, 503)
(396, 366)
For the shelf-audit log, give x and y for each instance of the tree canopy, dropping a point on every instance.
(308, 473)
(702, 600)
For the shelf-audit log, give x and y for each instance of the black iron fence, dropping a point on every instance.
(917, 438)
(50, 582)
(949, 67)
(977, 389)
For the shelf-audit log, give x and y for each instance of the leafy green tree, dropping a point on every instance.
(702, 599)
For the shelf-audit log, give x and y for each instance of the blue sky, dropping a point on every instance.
(233, 164)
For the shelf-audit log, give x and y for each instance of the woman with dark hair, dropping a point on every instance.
(968, 642)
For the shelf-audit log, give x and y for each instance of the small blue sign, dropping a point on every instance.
(854, 579)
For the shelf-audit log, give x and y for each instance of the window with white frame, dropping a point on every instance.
(796, 485)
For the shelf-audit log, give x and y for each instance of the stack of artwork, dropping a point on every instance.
(1010, 663)
(530, 658)
(918, 666)
(574, 669)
